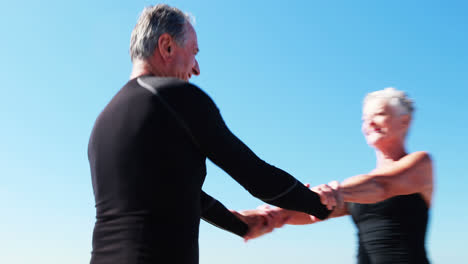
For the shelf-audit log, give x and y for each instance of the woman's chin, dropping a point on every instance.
(374, 140)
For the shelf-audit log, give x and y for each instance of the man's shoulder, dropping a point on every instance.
(174, 90)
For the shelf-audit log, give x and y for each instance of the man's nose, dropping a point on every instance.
(196, 68)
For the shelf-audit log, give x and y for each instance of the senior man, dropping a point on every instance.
(148, 149)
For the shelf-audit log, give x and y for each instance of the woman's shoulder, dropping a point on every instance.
(418, 157)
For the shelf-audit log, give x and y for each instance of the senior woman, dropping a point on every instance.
(390, 204)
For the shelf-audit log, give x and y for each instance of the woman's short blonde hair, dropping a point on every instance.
(400, 102)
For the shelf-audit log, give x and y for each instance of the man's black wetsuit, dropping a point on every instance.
(147, 155)
(392, 231)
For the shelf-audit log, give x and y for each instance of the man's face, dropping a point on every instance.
(184, 63)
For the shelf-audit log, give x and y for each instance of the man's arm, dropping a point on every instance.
(217, 142)
(213, 212)
(411, 174)
(247, 224)
(212, 137)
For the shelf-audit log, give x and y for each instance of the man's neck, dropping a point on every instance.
(140, 68)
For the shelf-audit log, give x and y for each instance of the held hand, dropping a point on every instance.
(327, 195)
(259, 223)
(335, 185)
(277, 216)
(330, 195)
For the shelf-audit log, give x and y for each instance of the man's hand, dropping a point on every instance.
(277, 216)
(259, 222)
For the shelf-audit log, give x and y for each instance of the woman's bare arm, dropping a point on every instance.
(411, 174)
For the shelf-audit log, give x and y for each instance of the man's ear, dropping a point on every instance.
(165, 43)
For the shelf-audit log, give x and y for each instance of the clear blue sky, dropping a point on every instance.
(288, 77)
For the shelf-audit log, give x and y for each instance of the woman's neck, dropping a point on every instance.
(389, 154)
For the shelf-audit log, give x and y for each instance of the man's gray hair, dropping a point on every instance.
(153, 22)
(395, 98)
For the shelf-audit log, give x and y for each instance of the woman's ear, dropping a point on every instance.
(406, 120)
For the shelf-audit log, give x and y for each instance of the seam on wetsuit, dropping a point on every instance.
(171, 110)
(281, 194)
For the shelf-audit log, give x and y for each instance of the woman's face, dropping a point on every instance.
(381, 124)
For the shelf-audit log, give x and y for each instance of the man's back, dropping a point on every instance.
(144, 167)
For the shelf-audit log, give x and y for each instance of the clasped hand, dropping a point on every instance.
(265, 218)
